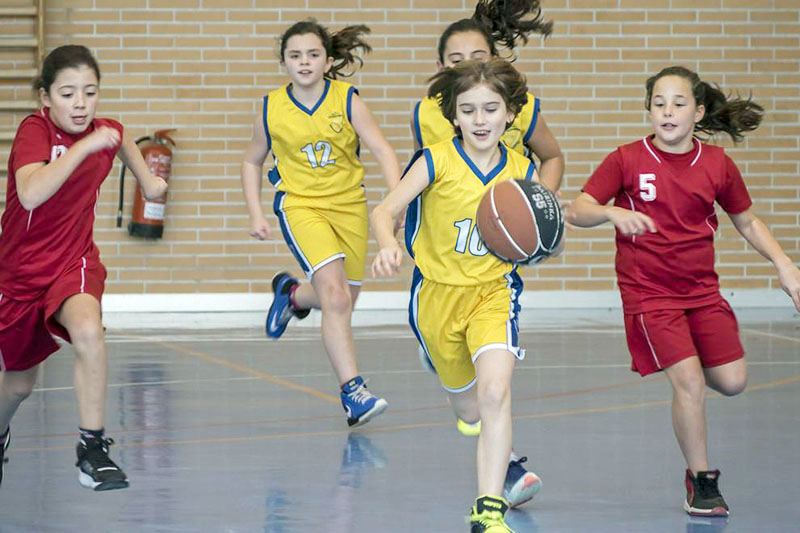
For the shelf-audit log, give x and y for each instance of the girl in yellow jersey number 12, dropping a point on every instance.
(465, 302)
(313, 127)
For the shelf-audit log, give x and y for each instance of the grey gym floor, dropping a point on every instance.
(221, 430)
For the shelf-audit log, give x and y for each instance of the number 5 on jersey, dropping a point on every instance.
(321, 146)
(647, 190)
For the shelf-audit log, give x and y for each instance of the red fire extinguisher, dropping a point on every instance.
(147, 219)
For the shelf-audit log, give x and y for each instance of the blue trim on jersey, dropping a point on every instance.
(534, 120)
(529, 172)
(413, 311)
(274, 175)
(350, 92)
(266, 126)
(478, 174)
(414, 208)
(516, 286)
(316, 106)
(288, 236)
(429, 163)
(417, 126)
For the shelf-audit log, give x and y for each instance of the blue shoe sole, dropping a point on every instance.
(379, 407)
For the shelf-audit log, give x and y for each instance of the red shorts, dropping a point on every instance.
(27, 326)
(659, 339)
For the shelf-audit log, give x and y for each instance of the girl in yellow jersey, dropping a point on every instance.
(313, 127)
(465, 302)
(494, 23)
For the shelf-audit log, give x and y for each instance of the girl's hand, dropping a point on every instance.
(789, 276)
(388, 261)
(259, 228)
(103, 138)
(631, 222)
(154, 189)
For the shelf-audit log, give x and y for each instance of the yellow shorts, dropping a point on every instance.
(455, 325)
(319, 231)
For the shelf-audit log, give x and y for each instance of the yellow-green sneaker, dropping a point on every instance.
(488, 514)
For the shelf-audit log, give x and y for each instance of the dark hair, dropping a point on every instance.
(339, 45)
(497, 73)
(501, 22)
(723, 114)
(63, 57)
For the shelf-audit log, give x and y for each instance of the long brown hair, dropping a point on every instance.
(340, 45)
(733, 116)
(497, 73)
(501, 22)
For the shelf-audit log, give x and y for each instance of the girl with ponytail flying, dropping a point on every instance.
(664, 189)
(313, 127)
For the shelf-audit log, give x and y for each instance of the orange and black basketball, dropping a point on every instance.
(520, 221)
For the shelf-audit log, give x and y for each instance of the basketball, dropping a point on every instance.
(520, 221)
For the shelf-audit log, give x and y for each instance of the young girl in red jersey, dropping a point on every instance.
(314, 126)
(494, 25)
(664, 188)
(51, 277)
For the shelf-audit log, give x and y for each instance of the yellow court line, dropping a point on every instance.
(403, 427)
(251, 371)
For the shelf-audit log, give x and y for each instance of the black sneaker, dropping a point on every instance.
(3, 459)
(97, 471)
(702, 495)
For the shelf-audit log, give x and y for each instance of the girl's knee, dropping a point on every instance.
(86, 331)
(730, 387)
(336, 299)
(690, 384)
(19, 385)
(493, 395)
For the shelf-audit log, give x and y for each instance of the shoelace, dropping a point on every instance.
(707, 488)
(361, 394)
(97, 455)
(491, 518)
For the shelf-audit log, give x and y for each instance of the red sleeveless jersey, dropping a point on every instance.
(673, 268)
(36, 246)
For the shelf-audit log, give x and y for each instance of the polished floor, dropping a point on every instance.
(223, 431)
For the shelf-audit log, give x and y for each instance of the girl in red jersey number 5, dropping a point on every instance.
(51, 277)
(664, 188)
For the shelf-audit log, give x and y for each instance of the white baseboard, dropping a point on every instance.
(243, 310)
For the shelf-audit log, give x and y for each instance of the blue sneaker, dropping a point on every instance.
(520, 485)
(281, 311)
(359, 403)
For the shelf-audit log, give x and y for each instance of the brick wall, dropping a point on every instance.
(201, 66)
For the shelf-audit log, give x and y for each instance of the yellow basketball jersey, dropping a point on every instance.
(430, 126)
(441, 232)
(316, 150)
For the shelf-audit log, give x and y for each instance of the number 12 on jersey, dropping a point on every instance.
(321, 146)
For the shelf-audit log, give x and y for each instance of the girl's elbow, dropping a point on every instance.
(28, 203)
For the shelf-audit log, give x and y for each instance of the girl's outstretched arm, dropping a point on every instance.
(586, 212)
(390, 255)
(759, 237)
